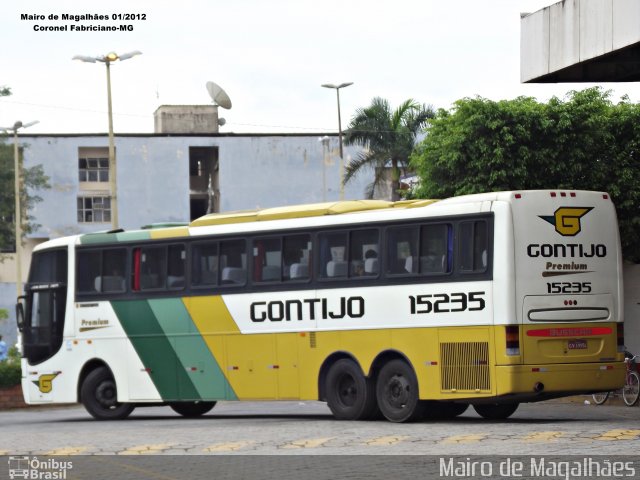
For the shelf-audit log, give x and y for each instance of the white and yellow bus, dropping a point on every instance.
(408, 310)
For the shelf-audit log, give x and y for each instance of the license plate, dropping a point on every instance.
(579, 344)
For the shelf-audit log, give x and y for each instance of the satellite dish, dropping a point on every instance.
(221, 121)
(218, 95)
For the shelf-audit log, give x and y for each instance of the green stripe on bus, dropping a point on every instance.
(155, 350)
(102, 238)
(92, 238)
(133, 236)
(191, 349)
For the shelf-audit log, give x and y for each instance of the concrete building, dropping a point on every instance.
(581, 41)
(588, 41)
(183, 119)
(172, 177)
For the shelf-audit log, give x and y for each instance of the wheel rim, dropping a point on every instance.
(600, 398)
(398, 391)
(347, 390)
(106, 394)
(631, 391)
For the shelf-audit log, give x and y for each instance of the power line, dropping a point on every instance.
(103, 112)
(59, 107)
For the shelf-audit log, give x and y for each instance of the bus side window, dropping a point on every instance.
(267, 260)
(296, 257)
(152, 268)
(402, 250)
(363, 253)
(175, 267)
(101, 271)
(233, 262)
(88, 272)
(113, 268)
(474, 246)
(333, 255)
(204, 268)
(434, 248)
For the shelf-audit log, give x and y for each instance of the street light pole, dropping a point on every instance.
(18, 214)
(337, 89)
(113, 187)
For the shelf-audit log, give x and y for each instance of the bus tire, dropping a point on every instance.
(397, 392)
(496, 411)
(100, 397)
(350, 395)
(192, 409)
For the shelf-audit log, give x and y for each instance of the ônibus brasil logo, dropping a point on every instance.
(567, 220)
(33, 469)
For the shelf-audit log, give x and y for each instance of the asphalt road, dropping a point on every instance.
(294, 428)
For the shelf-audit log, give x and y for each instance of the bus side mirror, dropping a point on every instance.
(20, 314)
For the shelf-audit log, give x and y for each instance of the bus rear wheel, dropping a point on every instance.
(496, 411)
(397, 392)
(100, 397)
(192, 409)
(350, 395)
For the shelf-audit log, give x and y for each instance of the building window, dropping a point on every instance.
(94, 209)
(93, 169)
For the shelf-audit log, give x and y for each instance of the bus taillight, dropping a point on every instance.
(620, 330)
(513, 340)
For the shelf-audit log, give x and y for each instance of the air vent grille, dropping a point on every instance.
(465, 367)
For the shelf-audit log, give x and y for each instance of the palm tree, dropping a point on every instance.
(387, 137)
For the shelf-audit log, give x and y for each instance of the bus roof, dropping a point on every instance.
(173, 230)
(306, 210)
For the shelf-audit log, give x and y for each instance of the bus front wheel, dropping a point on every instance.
(350, 395)
(100, 397)
(397, 392)
(192, 409)
(496, 411)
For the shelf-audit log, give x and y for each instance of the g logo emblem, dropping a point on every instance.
(45, 382)
(566, 220)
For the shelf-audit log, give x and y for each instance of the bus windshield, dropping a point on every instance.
(45, 301)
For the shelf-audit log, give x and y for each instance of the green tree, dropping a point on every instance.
(388, 137)
(583, 141)
(32, 179)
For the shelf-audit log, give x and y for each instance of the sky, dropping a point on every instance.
(269, 56)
